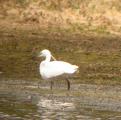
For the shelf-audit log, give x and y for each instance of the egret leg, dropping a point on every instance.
(51, 85)
(39, 84)
(68, 83)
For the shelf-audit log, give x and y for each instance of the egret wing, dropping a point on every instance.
(56, 68)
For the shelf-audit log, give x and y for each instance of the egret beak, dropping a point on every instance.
(54, 58)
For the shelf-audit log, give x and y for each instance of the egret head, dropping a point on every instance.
(45, 53)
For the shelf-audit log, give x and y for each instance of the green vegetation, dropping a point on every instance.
(98, 56)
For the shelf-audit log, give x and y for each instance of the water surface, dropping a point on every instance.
(23, 101)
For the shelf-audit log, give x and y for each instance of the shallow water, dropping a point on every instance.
(25, 102)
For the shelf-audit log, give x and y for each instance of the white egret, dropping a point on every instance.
(54, 69)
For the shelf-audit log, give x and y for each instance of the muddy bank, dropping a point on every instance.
(98, 56)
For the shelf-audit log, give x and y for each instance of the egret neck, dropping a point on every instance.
(48, 58)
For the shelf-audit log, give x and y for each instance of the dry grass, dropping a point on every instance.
(100, 16)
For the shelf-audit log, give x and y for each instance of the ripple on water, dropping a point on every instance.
(20, 106)
(55, 105)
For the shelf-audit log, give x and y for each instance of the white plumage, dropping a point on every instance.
(52, 69)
